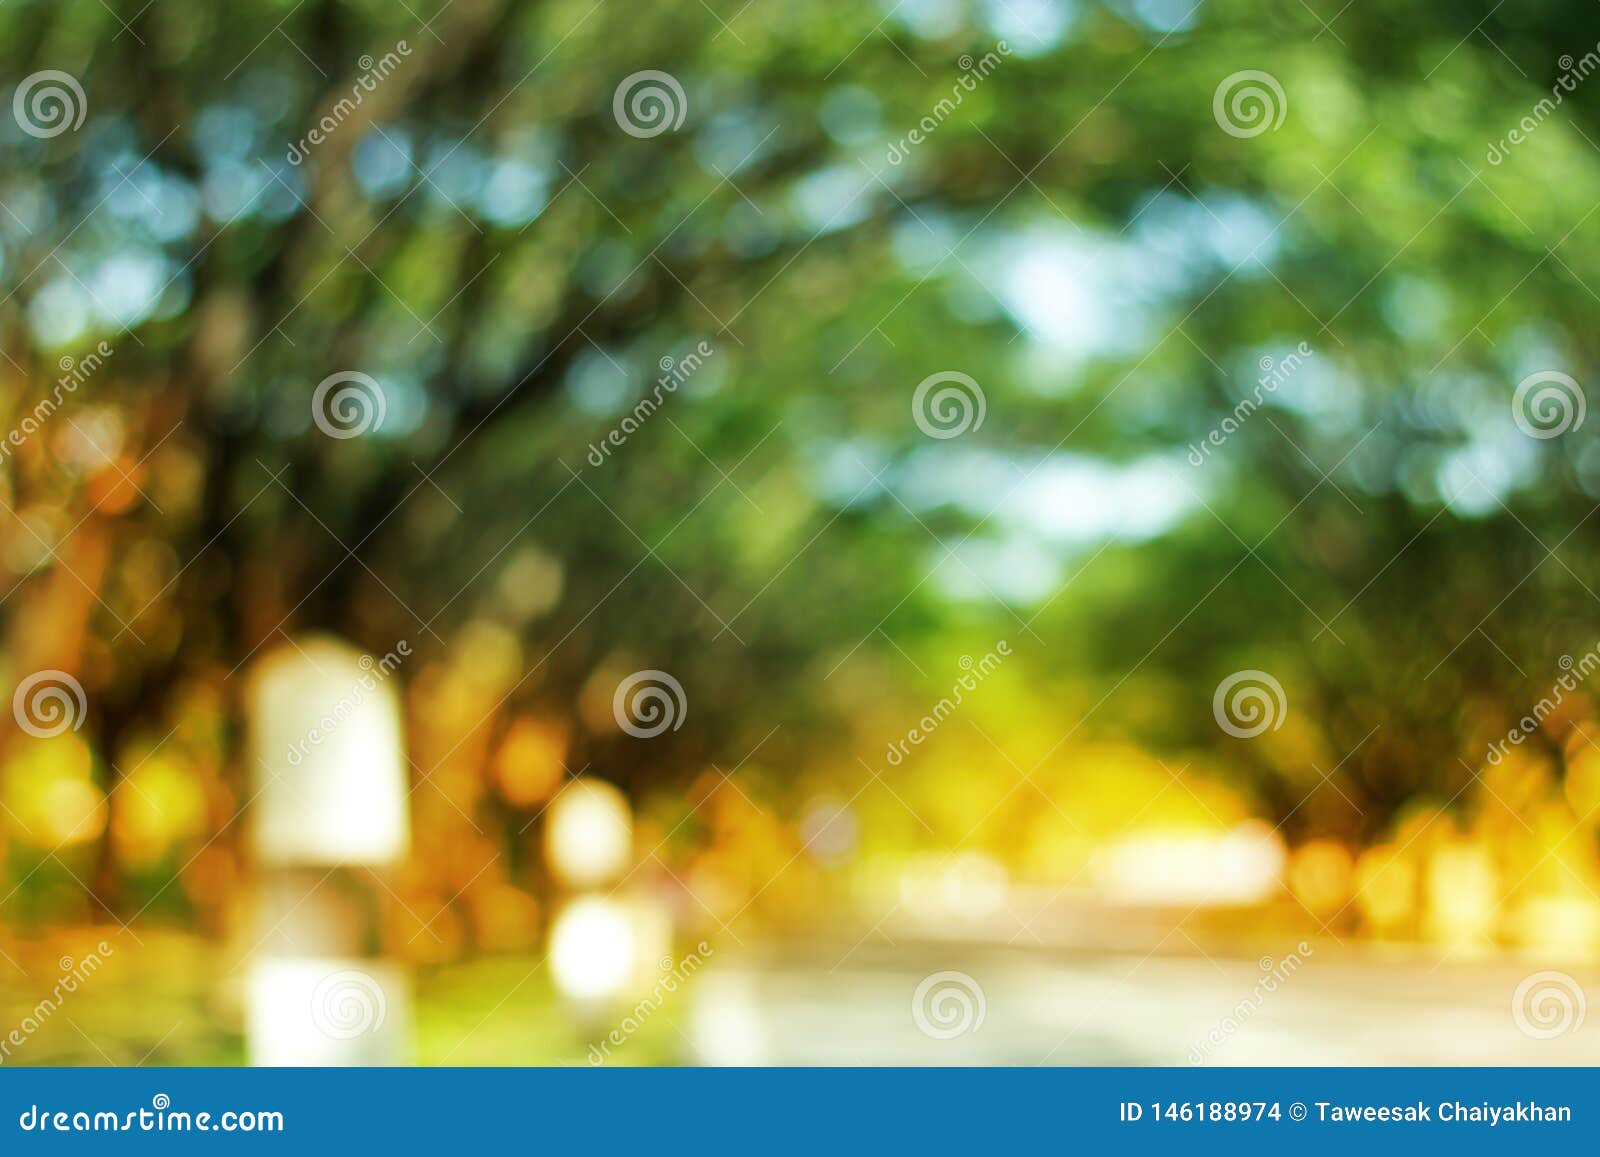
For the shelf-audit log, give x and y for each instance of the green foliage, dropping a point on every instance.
(1079, 235)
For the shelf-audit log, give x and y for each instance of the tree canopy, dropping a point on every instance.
(1160, 342)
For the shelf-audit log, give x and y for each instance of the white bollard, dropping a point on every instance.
(328, 793)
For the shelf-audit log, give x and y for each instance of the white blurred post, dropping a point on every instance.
(328, 795)
(602, 947)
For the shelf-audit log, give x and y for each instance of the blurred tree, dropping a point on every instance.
(473, 229)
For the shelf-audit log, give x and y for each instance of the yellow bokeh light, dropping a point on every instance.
(1386, 888)
(593, 949)
(52, 798)
(1320, 875)
(531, 761)
(589, 833)
(1463, 892)
(159, 802)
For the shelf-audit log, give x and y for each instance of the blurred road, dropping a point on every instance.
(1339, 1006)
(1108, 990)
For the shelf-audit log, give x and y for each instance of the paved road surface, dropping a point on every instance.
(1339, 1006)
